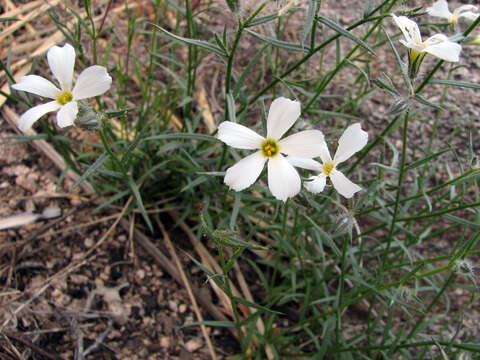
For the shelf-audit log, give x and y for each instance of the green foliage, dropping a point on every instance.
(335, 279)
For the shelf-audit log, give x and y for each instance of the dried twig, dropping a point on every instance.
(186, 283)
(31, 345)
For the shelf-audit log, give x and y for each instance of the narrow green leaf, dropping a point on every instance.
(256, 306)
(456, 83)
(200, 43)
(462, 221)
(233, 259)
(99, 162)
(279, 43)
(262, 20)
(138, 198)
(334, 26)
(426, 159)
(186, 136)
(312, 10)
(424, 101)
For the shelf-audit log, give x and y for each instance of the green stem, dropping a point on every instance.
(341, 290)
(399, 190)
(280, 246)
(232, 298)
(231, 55)
(419, 322)
(311, 53)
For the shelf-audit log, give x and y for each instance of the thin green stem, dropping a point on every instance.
(232, 298)
(419, 322)
(341, 290)
(280, 246)
(399, 190)
(300, 62)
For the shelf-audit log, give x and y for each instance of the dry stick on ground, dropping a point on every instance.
(31, 345)
(186, 283)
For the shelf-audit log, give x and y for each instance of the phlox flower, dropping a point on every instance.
(283, 179)
(438, 45)
(92, 81)
(440, 9)
(352, 140)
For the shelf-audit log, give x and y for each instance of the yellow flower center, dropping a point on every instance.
(270, 148)
(328, 167)
(64, 97)
(453, 19)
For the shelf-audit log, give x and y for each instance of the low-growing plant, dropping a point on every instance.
(338, 269)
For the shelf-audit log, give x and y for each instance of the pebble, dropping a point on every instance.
(194, 344)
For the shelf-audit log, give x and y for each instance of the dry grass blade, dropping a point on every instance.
(167, 265)
(209, 262)
(17, 25)
(31, 345)
(186, 283)
(23, 8)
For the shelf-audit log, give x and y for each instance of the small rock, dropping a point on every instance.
(140, 273)
(173, 305)
(88, 242)
(164, 342)
(193, 344)
(182, 308)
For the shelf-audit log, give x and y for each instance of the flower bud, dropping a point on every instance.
(87, 117)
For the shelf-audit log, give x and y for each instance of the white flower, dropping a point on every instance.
(352, 140)
(92, 81)
(283, 179)
(440, 9)
(438, 45)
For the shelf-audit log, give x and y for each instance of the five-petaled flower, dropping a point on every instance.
(438, 45)
(440, 9)
(283, 180)
(352, 140)
(92, 81)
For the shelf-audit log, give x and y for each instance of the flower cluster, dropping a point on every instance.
(92, 81)
(282, 154)
(437, 45)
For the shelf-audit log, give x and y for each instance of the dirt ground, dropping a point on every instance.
(70, 286)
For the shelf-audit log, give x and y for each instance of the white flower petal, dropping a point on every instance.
(439, 9)
(466, 11)
(30, 116)
(67, 114)
(62, 61)
(435, 39)
(282, 115)
(469, 15)
(245, 172)
(409, 28)
(302, 144)
(447, 50)
(411, 45)
(352, 140)
(343, 186)
(324, 153)
(37, 85)
(316, 184)
(92, 81)
(239, 136)
(283, 179)
(304, 163)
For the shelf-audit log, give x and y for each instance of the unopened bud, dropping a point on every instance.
(472, 40)
(234, 5)
(87, 117)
